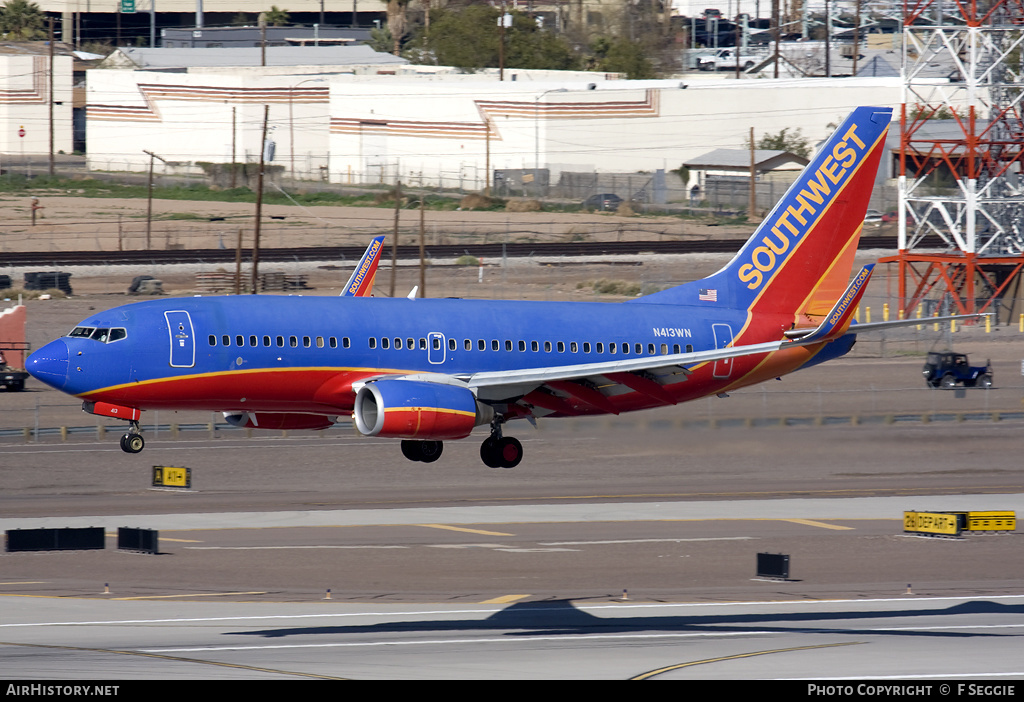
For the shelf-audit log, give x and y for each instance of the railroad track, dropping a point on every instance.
(57, 259)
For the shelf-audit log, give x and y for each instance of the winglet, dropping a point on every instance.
(837, 321)
(360, 284)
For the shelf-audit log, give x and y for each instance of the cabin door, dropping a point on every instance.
(723, 337)
(183, 343)
(436, 352)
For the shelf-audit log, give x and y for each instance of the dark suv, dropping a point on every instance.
(603, 201)
(948, 369)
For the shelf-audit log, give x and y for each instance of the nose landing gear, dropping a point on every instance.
(132, 441)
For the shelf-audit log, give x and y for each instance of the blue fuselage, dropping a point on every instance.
(276, 353)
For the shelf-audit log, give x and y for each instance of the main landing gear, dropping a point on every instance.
(132, 441)
(499, 451)
(425, 451)
(496, 451)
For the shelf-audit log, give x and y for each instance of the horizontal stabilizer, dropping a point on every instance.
(837, 321)
(881, 326)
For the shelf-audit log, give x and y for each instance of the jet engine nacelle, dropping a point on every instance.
(278, 420)
(413, 409)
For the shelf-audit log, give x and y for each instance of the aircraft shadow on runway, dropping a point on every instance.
(561, 617)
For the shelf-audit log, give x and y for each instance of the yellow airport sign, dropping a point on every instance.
(991, 520)
(169, 476)
(931, 523)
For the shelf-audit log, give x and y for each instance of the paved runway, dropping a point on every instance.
(621, 590)
(845, 509)
(905, 641)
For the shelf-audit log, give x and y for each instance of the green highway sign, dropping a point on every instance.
(127, 5)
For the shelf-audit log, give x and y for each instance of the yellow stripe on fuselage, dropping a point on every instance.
(255, 371)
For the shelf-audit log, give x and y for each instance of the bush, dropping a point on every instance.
(612, 287)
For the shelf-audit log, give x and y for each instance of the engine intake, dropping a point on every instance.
(413, 409)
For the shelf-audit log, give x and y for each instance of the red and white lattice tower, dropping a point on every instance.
(980, 217)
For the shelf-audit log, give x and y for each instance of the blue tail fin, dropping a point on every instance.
(360, 283)
(799, 259)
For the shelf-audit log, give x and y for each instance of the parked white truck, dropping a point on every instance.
(723, 59)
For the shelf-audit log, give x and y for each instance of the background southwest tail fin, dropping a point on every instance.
(360, 283)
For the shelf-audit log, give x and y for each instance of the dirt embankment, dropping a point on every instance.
(66, 222)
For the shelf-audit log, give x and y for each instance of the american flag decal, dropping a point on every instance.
(707, 295)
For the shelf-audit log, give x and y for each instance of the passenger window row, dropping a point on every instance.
(410, 343)
(548, 346)
(399, 343)
(280, 341)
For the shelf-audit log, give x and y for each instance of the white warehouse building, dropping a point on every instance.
(25, 105)
(449, 130)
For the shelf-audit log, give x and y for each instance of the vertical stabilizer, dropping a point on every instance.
(799, 259)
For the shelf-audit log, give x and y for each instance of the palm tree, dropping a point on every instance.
(21, 20)
(398, 22)
(276, 17)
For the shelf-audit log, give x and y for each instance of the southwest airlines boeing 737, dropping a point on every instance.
(430, 370)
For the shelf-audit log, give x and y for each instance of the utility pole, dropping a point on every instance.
(775, 35)
(149, 199)
(501, 41)
(752, 206)
(263, 38)
(828, 41)
(423, 245)
(51, 96)
(856, 36)
(394, 236)
(259, 205)
(487, 156)
(234, 131)
(238, 264)
(736, 52)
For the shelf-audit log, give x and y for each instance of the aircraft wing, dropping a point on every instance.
(832, 327)
(593, 383)
(673, 362)
(360, 283)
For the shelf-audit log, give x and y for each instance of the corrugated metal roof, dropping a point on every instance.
(729, 159)
(35, 48)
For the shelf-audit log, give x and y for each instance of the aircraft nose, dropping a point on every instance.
(50, 364)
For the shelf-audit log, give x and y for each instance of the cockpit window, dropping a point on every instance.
(100, 334)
